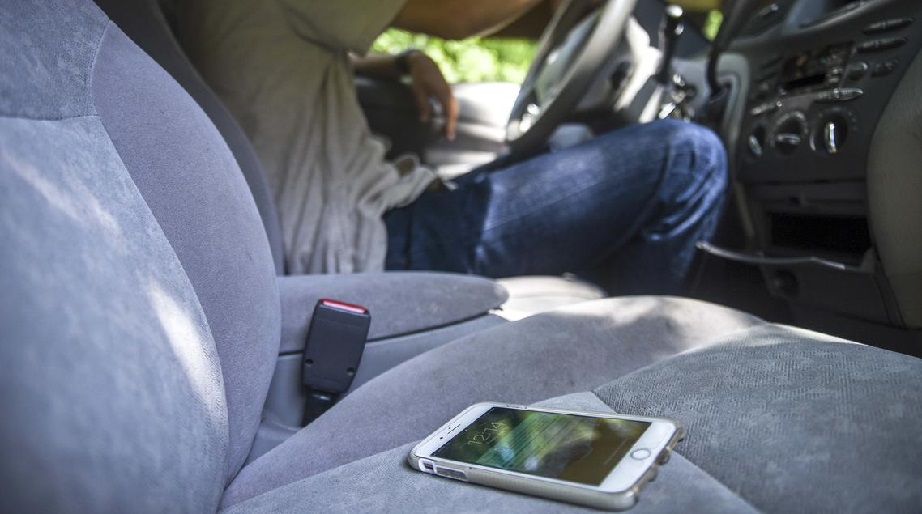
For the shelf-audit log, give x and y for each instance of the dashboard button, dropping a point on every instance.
(756, 141)
(879, 45)
(882, 69)
(857, 70)
(888, 25)
(839, 94)
(641, 454)
(766, 108)
(789, 132)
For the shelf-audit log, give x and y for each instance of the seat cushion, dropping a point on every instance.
(400, 303)
(779, 420)
(565, 351)
(792, 420)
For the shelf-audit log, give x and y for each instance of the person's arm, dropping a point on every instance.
(458, 19)
(426, 78)
(384, 66)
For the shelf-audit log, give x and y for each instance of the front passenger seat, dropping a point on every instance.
(140, 321)
(144, 22)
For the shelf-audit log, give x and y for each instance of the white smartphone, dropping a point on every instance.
(600, 460)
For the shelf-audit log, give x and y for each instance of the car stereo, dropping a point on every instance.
(819, 86)
(810, 71)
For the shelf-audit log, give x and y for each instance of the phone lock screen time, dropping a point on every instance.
(567, 447)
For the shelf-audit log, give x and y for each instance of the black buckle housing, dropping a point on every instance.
(335, 344)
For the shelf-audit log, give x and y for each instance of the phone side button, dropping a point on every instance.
(640, 454)
(451, 473)
(664, 455)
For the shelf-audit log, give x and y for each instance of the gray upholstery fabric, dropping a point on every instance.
(384, 354)
(384, 483)
(57, 69)
(793, 421)
(577, 401)
(144, 23)
(400, 303)
(193, 186)
(112, 399)
(779, 420)
(570, 350)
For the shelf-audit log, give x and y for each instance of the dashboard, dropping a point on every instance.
(813, 107)
(822, 76)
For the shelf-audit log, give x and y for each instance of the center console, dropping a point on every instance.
(821, 75)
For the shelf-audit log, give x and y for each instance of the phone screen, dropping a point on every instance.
(567, 447)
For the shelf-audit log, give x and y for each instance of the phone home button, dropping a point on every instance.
(640, 454)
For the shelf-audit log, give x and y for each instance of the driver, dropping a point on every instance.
(631, 203)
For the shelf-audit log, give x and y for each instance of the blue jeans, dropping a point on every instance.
(628, 206)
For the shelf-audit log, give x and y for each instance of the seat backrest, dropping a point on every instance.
(144, 22)
(139, 310)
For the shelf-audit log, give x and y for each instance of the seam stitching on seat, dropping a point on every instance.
(90, 96)
(87, 94)
(50, 118)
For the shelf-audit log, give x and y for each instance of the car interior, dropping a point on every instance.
(156, 356)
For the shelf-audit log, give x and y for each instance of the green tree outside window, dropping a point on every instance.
(506, 60)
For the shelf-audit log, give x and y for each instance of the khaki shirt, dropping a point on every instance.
(282, 68)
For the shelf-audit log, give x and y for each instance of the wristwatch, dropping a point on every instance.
(402, 61)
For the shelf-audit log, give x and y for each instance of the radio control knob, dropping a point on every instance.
(792, 140)
(833, 129)
(789, 133)
(832, 137)
(756, 142)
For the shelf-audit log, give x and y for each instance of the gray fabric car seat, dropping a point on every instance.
(140, 318)
(431, 310)
(145, 23)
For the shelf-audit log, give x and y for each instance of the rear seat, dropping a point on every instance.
(141, 320)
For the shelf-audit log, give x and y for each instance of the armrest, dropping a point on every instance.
(399, 303)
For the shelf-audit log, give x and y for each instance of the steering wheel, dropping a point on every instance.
(571, 51)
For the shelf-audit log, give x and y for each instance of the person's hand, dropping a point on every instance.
(428, 82)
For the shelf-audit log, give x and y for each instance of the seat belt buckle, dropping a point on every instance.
(335, 343)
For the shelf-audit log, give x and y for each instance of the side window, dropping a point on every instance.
(470, 60)
(506, 60)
